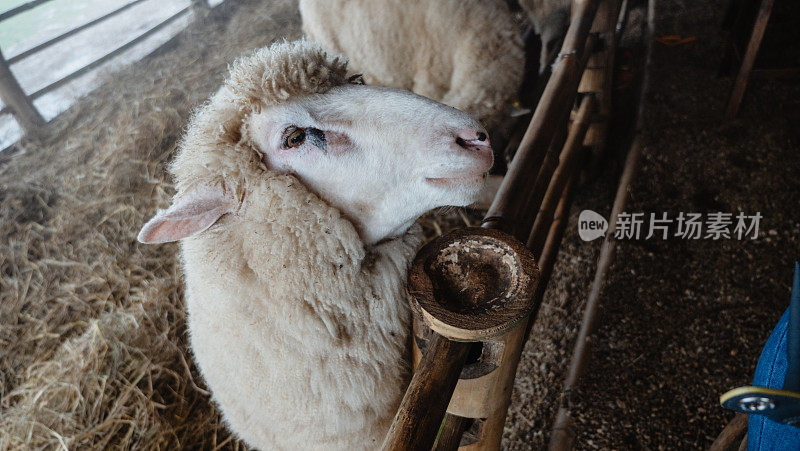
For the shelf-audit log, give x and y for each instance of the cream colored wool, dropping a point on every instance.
(298, 328)
(464, 53)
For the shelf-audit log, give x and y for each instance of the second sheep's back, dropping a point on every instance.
(467, 54)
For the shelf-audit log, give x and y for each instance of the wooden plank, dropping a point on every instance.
(71, 32)
(108, 56)
(15, 99)
(21, 8)
(739, 86)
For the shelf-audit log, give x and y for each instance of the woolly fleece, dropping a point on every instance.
(464, 53)
(299, 329)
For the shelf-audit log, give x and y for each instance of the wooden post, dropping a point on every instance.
(15, 98)
(424, 404)
(473, 285)
(597, 78)
(764, 11)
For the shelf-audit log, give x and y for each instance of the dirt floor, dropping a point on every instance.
(683, 321)
(91, 323)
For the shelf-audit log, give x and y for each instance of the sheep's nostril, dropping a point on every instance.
(471, 138)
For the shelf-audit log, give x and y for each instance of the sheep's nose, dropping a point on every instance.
(470, 138)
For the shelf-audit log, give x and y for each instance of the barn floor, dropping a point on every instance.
(682, 321)
(91, 323)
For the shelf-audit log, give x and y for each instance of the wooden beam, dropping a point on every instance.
(739, 86)
(16, 100)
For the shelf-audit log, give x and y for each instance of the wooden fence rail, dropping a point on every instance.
(532, 204)
(20, 104)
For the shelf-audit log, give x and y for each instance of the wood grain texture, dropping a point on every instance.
(423, 406)
(473, 283)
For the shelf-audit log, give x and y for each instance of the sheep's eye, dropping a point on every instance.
(294, 137)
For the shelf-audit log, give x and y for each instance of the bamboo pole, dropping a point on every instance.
(529, 191)
(562, 435)
(566, 167)
(425, 402)
(434, 381)
(550, 111)
(16, 100)
(739, 86)
(554, 236)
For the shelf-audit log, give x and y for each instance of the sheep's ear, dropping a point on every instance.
(189, 214)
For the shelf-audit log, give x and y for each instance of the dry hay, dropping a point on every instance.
(92, 323)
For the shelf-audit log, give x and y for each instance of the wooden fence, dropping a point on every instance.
(454, 401)
(19, 103)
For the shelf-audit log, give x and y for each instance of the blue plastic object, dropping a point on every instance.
(776, 370)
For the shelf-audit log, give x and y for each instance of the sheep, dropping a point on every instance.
(550, 19)
(467, 54)
(298, 189)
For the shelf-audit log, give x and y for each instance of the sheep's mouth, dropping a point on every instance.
(457, 180)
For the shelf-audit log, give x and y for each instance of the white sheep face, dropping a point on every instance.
(382, 156)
